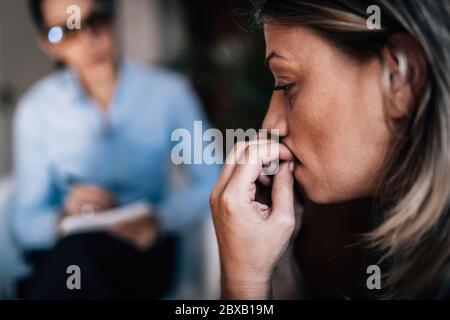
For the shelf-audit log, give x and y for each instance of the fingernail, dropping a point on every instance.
(292, 166)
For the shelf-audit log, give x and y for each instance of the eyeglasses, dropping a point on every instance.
(95, 22)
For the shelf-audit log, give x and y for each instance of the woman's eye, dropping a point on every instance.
(284, 87)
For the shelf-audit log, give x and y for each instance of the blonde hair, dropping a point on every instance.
(413, 233)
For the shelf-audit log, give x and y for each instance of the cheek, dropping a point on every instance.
(341, 138)
(74, 55)
(106, 40)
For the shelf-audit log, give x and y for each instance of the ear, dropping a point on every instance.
(404, 74)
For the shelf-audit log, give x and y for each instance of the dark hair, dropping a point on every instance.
(35, 7)
(358, 43)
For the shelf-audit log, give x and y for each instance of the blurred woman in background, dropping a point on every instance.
(364, 120)
(96, 136)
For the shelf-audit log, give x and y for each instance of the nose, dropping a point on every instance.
(89, 36)
(276, 117)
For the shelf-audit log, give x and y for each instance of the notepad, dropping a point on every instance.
(102, 220)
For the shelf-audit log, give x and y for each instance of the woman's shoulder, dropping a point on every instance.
(45, 87)
(40, 98)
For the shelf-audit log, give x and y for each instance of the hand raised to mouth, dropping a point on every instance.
(252, 235)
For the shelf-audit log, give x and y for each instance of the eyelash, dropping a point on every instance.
(285, 88)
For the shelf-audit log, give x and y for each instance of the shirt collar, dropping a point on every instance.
(77, 91)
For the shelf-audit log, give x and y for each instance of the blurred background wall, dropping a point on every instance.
(21, 63)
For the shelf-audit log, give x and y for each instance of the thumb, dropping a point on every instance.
(283, 190)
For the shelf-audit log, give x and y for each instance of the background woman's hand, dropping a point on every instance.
(88, 199)
(142, 233)
(85, 199)
(252, 236)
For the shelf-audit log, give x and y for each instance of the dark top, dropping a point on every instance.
(331, 257)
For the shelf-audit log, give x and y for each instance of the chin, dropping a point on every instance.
(313, 189)
(317, 196)
(99, 60)
(325, 196)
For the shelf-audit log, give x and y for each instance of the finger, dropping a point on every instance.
(126, 226)
(254, 158)
(77, 206)
(283, 191)
(120, 227)
(122, 232)
(93, 192)
(231, 161)
(138, 236)
(134, 226)
(266, 181)
(74, 206)
(70, 207)
(105, 200)
(93, 200)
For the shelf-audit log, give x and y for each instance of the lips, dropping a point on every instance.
(298, 164)
(298, 160)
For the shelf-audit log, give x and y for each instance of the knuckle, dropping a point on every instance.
(234, 155)
(238, 147)
(250, 154)
(213, 198)
(286, 222)
(286, 181)
(227, 199)
(252, 149)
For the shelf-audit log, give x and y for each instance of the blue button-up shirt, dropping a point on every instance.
(63, 138)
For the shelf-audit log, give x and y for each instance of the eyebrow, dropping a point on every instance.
(271, 56)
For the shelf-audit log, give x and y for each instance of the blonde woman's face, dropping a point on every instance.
(330, 114)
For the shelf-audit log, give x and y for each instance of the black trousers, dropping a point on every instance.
(110, 269)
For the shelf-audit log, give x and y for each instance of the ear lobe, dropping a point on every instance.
(404, 74)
